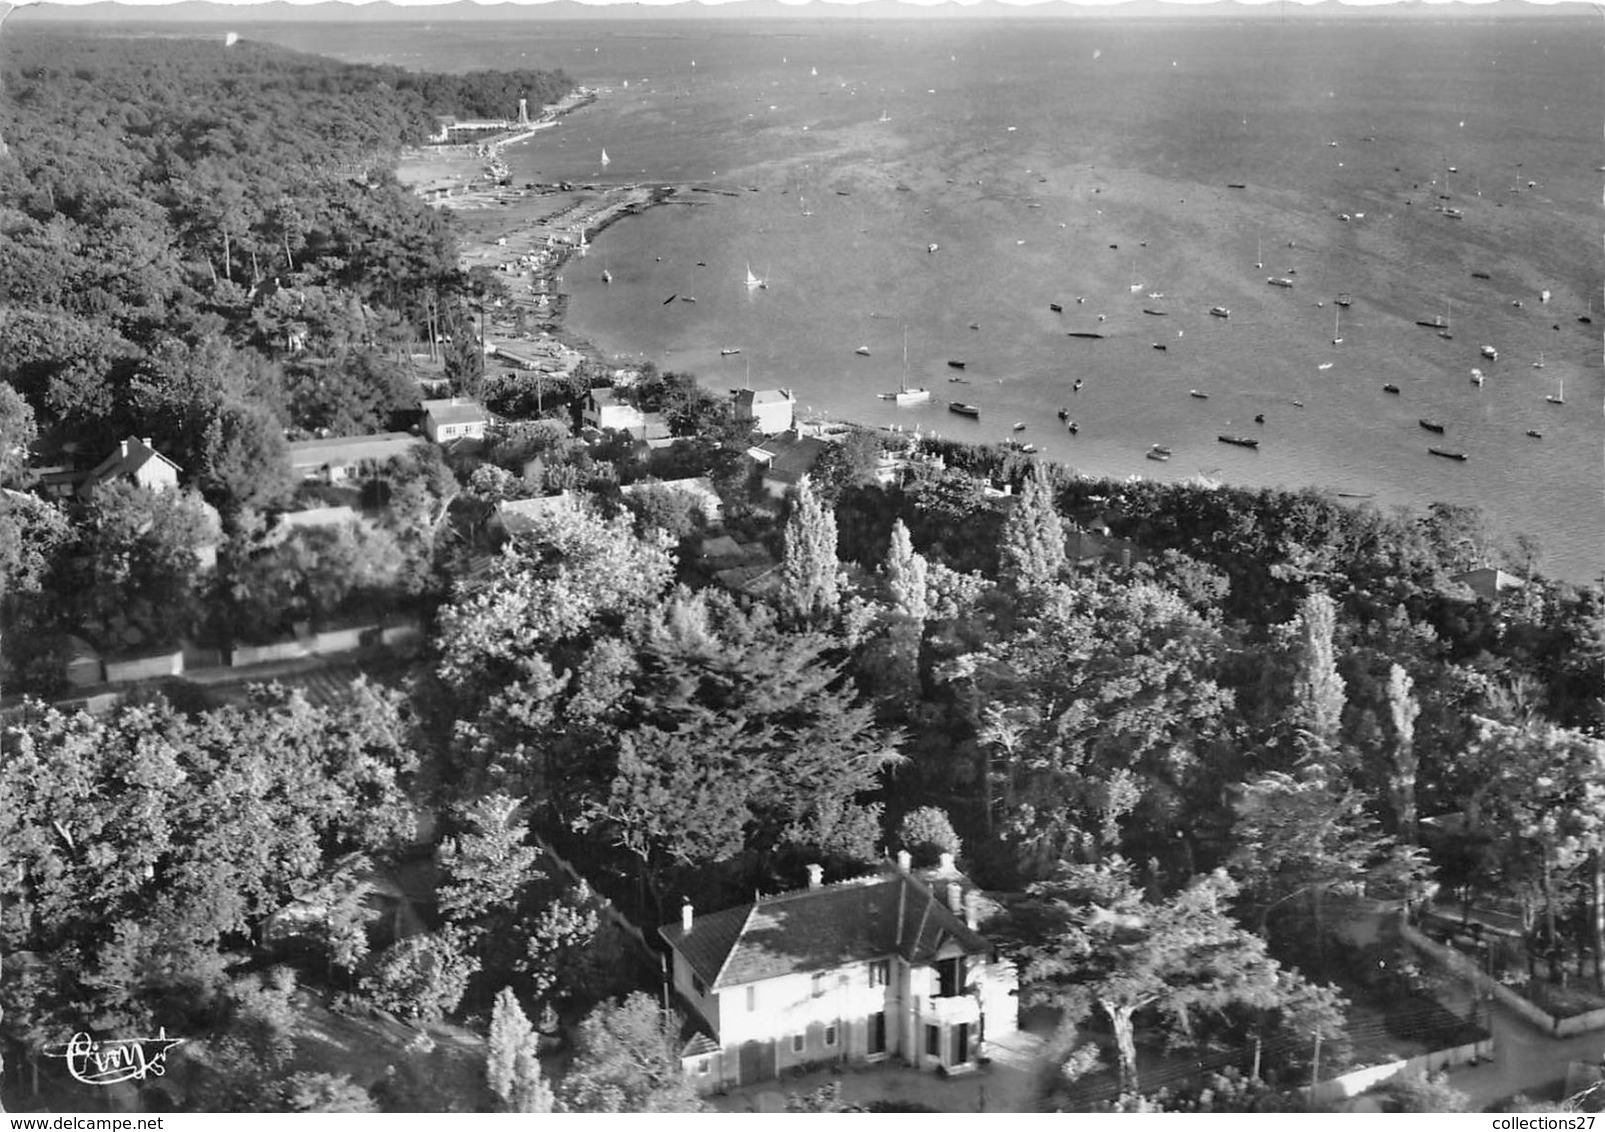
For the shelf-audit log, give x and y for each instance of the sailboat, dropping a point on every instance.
(582, 246)
(1337, 327)
(813, 72)
(607, 276)
(1559, 396)
(1539, 364)
(753, 282)
(905, 395)
(884, 117)
(606, 161)
(1259, 253)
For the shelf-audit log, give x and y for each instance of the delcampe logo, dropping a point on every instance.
(115, 1060)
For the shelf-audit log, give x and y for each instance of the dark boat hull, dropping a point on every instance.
(1431, 426)
(1240, 441)
(1446, 454)
(963, 410)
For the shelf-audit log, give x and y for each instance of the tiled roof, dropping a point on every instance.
(127, 459)
(820, 929)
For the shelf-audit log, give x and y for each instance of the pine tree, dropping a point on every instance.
(810, 575)
(1032, 554)
(512, 1068)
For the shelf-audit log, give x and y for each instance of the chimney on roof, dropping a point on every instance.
(972, 909)
(685, 917)
(145, 440)
(125, 449)
(904, 861)
(944, 863)
(816, 875)
(955, 897)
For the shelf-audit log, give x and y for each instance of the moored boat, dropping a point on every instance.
(1056, 308)
(1535, 434)
(728, 350)
(1083, 334)
(956, 364)
(863, 351)
(1390, 388)
(1490, 353)
(1447, 454)
(1196, 393)
(1430, 426)
(1156, 454)
(1240, 441)
(962, 409)
(1279, 281)
(1220, 312)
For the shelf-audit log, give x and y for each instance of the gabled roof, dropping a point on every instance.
(793, 457)
(1487, 581)
(127, 459)
(455, 410)
(820, 929)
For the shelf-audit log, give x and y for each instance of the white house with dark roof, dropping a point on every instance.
(886, 966)
(136, 462)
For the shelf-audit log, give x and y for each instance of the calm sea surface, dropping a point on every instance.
(1055, 161)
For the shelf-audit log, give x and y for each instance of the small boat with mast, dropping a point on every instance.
(754, 283)
(903, 394)
(1559, 396)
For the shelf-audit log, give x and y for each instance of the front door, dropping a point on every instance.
(757, 1062)
(961, 1043)
(877, 1032)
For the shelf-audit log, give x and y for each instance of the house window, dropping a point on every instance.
(703, 1066)
(877, 1032)
(699, 986)
(752, 997)
(933, 1040)
(797, 1042)
(819, 984)
(830, 1036)
(880, 972)
(950, 977)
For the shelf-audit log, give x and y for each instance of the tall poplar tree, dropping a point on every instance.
(1032, 554)
(810, 575)
(1318, 691)
(1402, 712)
(906, 576)
(512, 1068)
